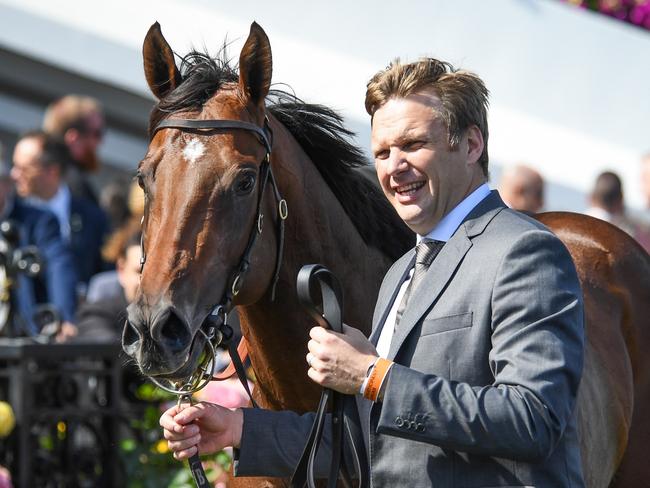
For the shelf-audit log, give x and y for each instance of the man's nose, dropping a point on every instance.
(396, 162)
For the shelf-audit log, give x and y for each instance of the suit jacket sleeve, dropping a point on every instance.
(59, 268)
(536, 360)
(272, 443)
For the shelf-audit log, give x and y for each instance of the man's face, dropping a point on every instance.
(32, 179)
(421, 177)
(128, 272)
(94, 131)
(84, 144)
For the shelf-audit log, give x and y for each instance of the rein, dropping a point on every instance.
(216, 326)
(345, 422)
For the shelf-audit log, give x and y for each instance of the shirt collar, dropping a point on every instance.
(450, 222)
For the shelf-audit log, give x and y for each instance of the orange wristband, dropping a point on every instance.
(376, 379)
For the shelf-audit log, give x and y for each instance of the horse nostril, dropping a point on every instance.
(172, 333)
(130, 338)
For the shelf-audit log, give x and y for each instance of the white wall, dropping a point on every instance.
(569, 88)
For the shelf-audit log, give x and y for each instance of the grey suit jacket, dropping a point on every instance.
(488, 359)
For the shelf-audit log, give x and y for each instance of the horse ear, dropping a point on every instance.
(159, 65)
(256, 65)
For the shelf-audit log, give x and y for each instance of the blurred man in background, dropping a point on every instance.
(522, 188)
(57, 280)
(78, 121)
(607, 203)
(40, 164)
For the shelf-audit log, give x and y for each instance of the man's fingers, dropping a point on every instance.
(184, 444)
(167, 418)
(321, 335)
(186, 453)
(179, 432)
(316, 376)
(189, 413)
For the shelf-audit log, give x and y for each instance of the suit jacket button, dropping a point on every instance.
(399, 421)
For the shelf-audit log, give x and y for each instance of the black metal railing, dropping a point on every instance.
(72, 404)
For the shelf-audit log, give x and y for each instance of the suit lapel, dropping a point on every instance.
(443, 267)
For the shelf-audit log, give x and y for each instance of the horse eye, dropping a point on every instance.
(140, 180)
(246, 184)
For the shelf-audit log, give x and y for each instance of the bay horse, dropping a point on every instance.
(203, 204)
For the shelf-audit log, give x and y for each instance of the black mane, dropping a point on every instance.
(320, 132)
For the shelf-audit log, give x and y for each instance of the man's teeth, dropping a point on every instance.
(411, 188)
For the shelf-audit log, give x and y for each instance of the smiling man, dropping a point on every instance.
(471, 372)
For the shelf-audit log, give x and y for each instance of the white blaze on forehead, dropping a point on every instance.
(193, 150)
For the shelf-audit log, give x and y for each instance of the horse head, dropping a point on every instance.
(204, 191)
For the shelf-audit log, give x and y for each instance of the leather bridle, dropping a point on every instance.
(214, 328)
(265, 174)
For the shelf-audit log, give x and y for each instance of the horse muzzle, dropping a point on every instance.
(160, 341)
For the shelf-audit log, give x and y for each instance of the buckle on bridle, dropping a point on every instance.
(283, 209)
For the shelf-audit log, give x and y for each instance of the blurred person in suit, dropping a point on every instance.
(40, 164)
(103, 320)
(522, 188)
(607, 203)
(78, 121)
(106, 284)
(56, 283)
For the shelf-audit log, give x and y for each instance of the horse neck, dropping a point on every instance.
(317, 231)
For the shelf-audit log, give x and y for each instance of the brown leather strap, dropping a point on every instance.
(229, 372)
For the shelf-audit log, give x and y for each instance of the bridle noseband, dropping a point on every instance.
(218, 317)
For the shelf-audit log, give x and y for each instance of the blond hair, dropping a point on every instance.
(463, 95)
(69, 112)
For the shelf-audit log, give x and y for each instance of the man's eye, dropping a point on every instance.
(414, 145)
(245, 184)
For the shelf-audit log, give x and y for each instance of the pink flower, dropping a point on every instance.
(228, 393)
(5, 478)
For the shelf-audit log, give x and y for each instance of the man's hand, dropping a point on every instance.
(68, 331)
(339, 361)
(205, 427)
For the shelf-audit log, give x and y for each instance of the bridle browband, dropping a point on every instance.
(220, 311)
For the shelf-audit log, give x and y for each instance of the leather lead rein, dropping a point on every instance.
(346, 426)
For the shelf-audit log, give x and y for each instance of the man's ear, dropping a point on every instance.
(475, 144)
(71, 136)
(119, 265)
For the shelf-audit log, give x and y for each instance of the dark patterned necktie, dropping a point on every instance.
(425, 252)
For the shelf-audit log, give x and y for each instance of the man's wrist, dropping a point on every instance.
(373, 385)
(364, 383)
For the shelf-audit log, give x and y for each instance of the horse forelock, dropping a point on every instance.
(202, 76)
(318, 129)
